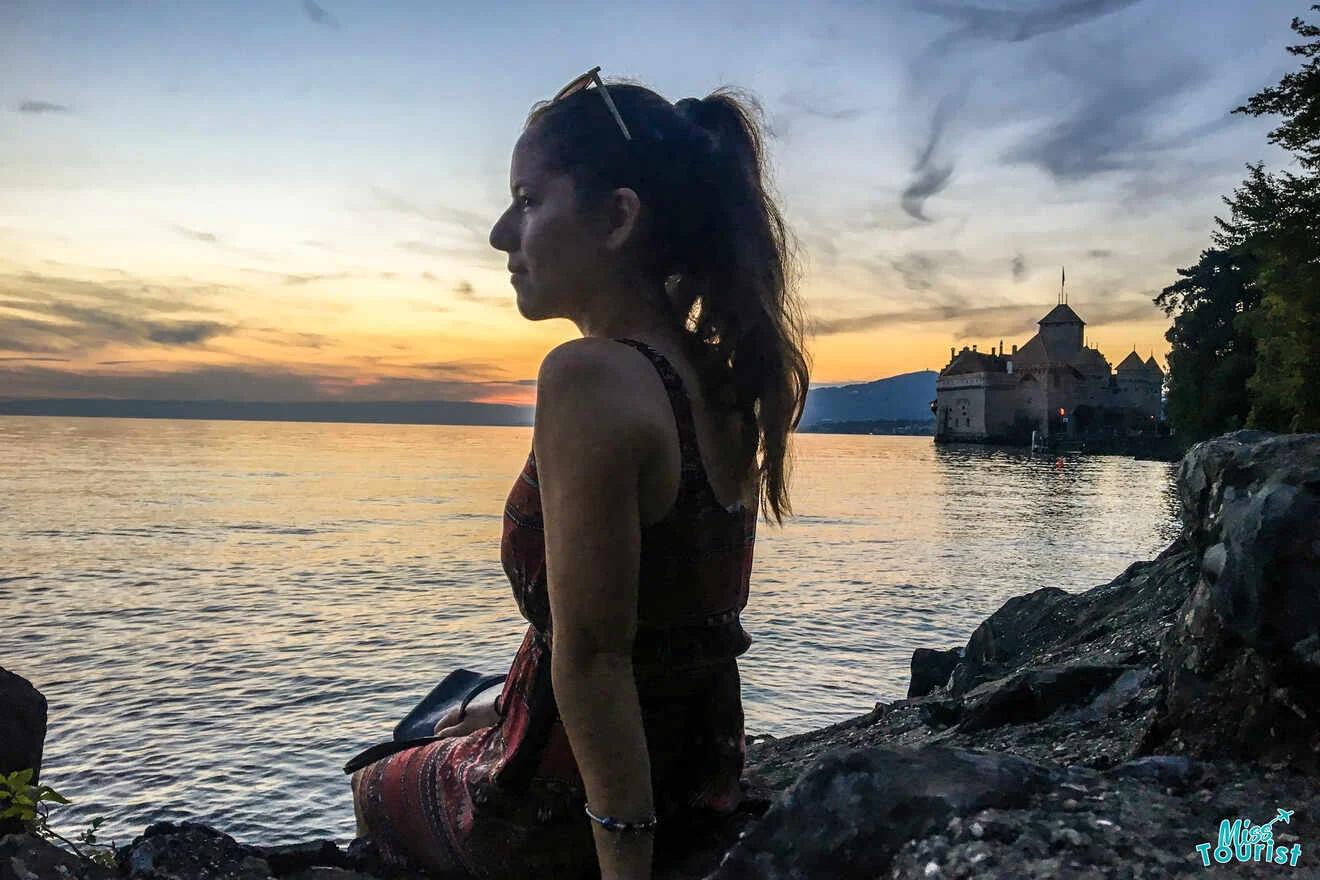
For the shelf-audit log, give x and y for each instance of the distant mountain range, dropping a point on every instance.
(898, 398)
(434, 412)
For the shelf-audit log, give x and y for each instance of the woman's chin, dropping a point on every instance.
(530, 308)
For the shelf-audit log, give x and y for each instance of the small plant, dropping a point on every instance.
(30, 805)
(25, 802)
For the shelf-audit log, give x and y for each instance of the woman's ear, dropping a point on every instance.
(625, 218)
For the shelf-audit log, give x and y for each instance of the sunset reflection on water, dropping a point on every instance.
(220, 613)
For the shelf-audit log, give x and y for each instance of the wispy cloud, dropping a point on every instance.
(455, 233)
(197, 234)
(920, 271)
(1016, 315)
(318, 14)
(39, 107)
(1015, 25)
(931, 173)
(184, 333)
(290, 338)
(472, 222)
(1112, 127)
(55, 315)
(466, 292)
(314, 277)
(364, 381)
(482, 255)
(1016, 321)
(819, 105)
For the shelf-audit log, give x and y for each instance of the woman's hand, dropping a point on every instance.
(480, 713)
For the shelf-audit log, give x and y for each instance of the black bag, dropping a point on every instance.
(417, 728)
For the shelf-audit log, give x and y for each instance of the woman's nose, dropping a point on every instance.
(500, 236)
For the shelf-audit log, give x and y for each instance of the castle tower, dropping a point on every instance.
(1062, 331)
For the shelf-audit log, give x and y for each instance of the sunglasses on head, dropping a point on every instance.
(584, 81)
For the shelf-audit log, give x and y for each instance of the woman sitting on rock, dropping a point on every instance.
(628, 535)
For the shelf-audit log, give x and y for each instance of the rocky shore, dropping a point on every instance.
(1106, 734)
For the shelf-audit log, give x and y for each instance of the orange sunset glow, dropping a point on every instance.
(252, 218)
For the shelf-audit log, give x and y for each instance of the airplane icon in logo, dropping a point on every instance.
(1284, 815)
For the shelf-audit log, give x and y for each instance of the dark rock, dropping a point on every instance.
(1176, 773)
(1114, 826)
(363, 860)
(851, 811)
(931, 670)
(1118, 624)
(1020, 627)
(191, 851)
(25, 857)
(293, 857)
(22, 731)
(937, 711)
(1125, 689)
(1240, 671)
(1033, 694)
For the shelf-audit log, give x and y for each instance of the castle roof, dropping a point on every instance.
(973, 362)
(1061, 314)
(1090, 360)
(1153, 366)
(1132, 362)
(1036, 351)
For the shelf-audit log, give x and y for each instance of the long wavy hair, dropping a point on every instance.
(714, 236)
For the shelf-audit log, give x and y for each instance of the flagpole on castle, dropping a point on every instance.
(1063, 287)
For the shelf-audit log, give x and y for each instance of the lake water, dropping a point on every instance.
(221, 613)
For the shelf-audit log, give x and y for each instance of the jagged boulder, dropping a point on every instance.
(191, 851)
(1120, 624)
(1241, 665)
(851, 811)
(1033, 694)
(25, 857)
(22, 731)
(931, 670)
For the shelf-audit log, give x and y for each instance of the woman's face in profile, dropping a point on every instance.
(552, 251)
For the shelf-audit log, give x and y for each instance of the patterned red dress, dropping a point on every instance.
(506, 801)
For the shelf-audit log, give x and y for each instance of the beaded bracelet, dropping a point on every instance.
(615, 825)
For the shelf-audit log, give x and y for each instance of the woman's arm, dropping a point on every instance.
(590, 439)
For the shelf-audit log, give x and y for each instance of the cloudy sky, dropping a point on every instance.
(290, 199)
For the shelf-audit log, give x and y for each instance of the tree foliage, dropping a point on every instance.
(1297, 99)
(1246, 330)
(1213, 353)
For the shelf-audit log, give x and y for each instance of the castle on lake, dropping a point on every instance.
(1054, 385)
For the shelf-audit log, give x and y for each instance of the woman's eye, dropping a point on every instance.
(523, 202)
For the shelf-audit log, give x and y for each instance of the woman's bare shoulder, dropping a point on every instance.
(589, 356)
(595, 381)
